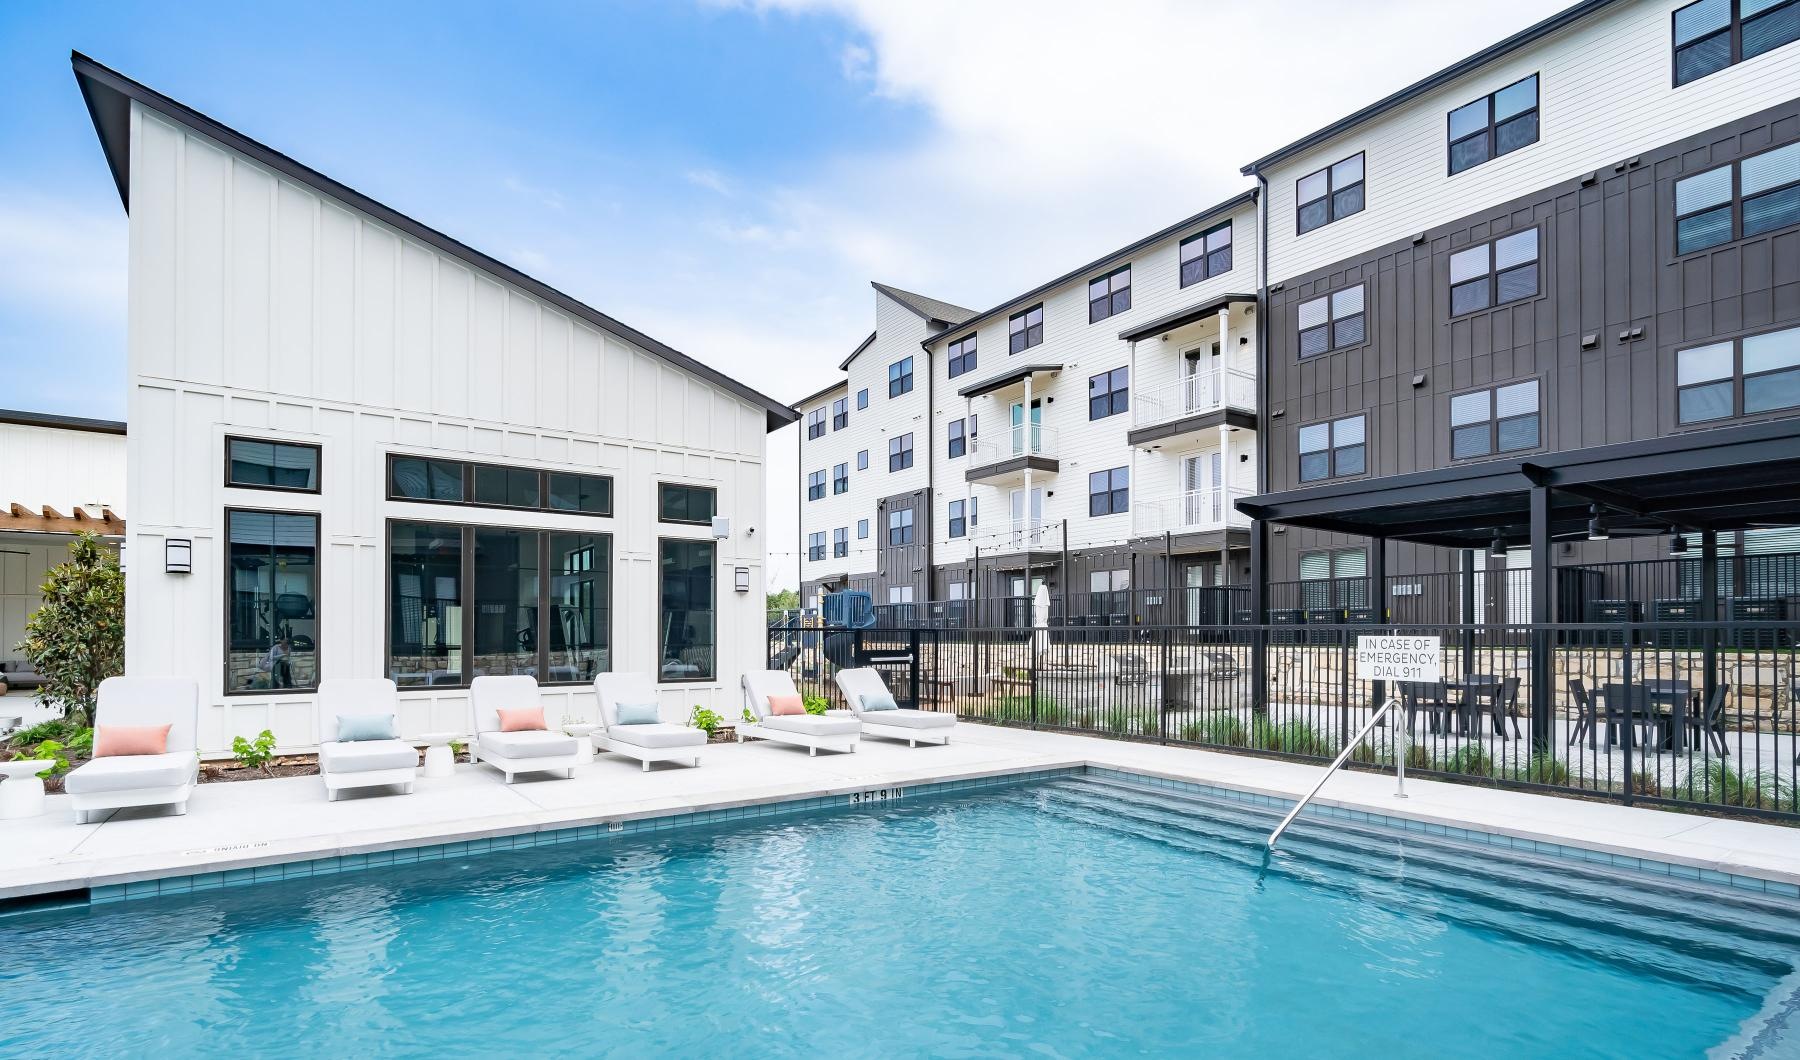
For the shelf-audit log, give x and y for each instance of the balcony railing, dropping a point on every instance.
(1190, 512)
(1195, 395)
(1012, 442)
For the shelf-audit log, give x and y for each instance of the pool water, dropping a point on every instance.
(1075, 917)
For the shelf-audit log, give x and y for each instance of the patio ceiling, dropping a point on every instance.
(1728, 478)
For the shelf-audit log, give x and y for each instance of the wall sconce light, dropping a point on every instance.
(743, 579)
(721, 527)
(178, 555)
(1677, 545)
(1498, 548)
(1596, 528)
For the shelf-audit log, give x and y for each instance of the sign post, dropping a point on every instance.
(1396, 658)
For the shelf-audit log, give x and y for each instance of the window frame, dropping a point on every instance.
(862, 529)
(956, 442)
(862, 460)
(1204, 238)
(900, 377)
(840, 542)
(467, 469)
(907, 528)
(1491, 130)
(956, 518)
(1737, 380)
(900, 449)
(1331, 322)
(815, 546)
(1117, 395)
(1494, 419)
(1734, 34)
(667, 483)
(840, 479)
(815, 485)
(1109, 300)
(661, 617)
(318, 601)
(1331, 450)
(1114, 504)
(840, 413)
(862, 399)
(1331, 193)
(963, 355)
(1733, 204)
(1024, 330)
(1492, 276)
(815, 424)
(318, 466)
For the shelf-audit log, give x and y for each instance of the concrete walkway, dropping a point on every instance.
(245, 824)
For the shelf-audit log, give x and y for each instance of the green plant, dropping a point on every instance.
(76, 637)
(254, 754)
(1418, 756)
(1192, 732)
(1470, 760)
(815, 704)
(783, 600)
(748, 718)
(1226, 730)
(1149, 727)
(1647, 784)
(1542, 769)
(1050, 712)
(1117, 721)
(457, 747)
(1290, 737)
(52, 750)
(707, 721)
(53, 729)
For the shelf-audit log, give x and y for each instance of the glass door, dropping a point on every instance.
(1020, 438)
(1027, 524)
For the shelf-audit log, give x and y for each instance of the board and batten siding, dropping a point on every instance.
(260, 306)
(63, 469)
(1605, 93)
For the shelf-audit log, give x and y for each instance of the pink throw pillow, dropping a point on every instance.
(787, 705)
(524, 719)
(111, 740)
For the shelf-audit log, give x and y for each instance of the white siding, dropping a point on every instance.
(63, 469)
(1605, 93)
(260, 306)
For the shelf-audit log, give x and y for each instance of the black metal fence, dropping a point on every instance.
(1688, 714)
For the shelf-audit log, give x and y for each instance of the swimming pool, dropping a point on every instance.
(1075, 917)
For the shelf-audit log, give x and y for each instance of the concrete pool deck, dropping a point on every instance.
(249, 824)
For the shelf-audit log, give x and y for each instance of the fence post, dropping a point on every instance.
(1343, 637)
(1162, 706)
(1033, 686)
(1630, 710)
(913, 678)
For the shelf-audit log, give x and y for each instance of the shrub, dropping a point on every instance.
(54, 729)
(1719, 784)
(1291, 737)
(1150, 727)
(1226, 730)
(1050, 712)
(1418, 756)
(1470, 760)
(51, 750)
(76, 637)
(1543, 769)
(1117, 721)
(1646, 784)
(707, 721)
(254, 754)
(1192, 732)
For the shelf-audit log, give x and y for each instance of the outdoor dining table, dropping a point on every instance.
(1472, 687)
(1668, 703)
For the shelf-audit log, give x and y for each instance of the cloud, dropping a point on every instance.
(549, 198)
(710, 179)
(61, 258)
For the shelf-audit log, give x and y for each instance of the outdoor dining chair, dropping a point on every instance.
(1502, 698)
(1624, 705)
(1711, 719)
(1584, 717)
(1428, 696)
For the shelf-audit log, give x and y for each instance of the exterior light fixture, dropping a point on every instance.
(1498, 548)
(178, 555)
(743, 579)
(1596, 529)
(1677, 545)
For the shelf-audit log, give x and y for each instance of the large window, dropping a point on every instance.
(1742, 377)
(959, 440)
(1712, 34)
(1336, 321)
(840, 542)
(815, 546)
(1494, 125)
(413, 478)
(1025, 329)
(1492, 274)
(1206, 255)
(1334, 578)
(840, 414)
(1502, 419)
(687, 621)
(900, 527)
(678, 503)
(1767, 197)
(1109, 492)
(815, 424)
(258, 465)
(900, 377)
(959, 523)
(467, 601)
(1109, 295)
(1109, 393)
(900, 452)
(962, 356)
(272, 597)
(840, 479)
(1333, 449)
(1330, 194)
(815, 485)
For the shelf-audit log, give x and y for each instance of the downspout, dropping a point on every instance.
(800, 509)
(930, 473)
(1262, 334)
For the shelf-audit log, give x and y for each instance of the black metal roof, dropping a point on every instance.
(931, 310)
(1208, 214)
(109, 95)
(1001, 382)
(1728, 478)
(842, 384)
(1526, 36)
(1171, 321)
(861, 346)
(60, 422)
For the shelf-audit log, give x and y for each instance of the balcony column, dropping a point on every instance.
(1221, 486)
(1025, 503)
(969, 458)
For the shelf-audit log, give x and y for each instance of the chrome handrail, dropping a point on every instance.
(1337, 763)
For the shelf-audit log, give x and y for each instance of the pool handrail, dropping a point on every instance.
(1337, 763)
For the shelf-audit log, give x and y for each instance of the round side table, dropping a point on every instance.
(584, 738)
(22, 793)
(440, 761)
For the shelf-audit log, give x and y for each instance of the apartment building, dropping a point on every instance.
(1586, 234)
(1101, 422)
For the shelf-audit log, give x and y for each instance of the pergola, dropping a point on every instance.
(1703, 482)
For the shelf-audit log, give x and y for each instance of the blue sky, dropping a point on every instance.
(726, 175)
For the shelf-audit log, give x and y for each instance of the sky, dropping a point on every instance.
(725, 175)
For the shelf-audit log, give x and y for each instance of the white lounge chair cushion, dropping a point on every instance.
(812, 724)
(366, 756)
(661, 734)
(529, 743)
(131, 772)
(909, 719)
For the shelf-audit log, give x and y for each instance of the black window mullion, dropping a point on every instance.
(544, 618)
(467, 595)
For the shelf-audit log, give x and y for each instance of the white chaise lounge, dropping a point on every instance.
(362, 763)
(166, 779)
(810, 731)
(913, 726)
(512, 753)
(646, 742)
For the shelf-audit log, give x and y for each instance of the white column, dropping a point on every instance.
(1025, 428)
(1223, 380)
(1224, 474)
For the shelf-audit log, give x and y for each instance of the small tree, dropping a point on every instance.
(785, 600)
(76, 639)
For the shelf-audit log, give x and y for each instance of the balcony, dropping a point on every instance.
(1008, 453)
(1192, 404)
(1192, 512)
